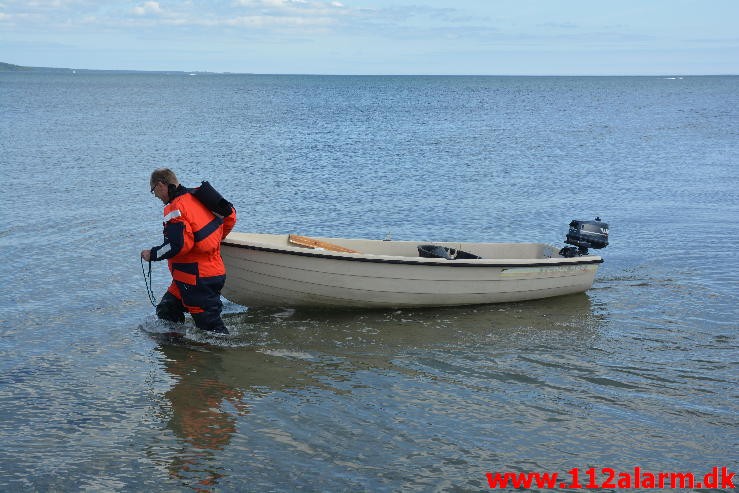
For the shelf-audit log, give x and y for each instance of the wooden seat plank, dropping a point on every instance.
(306, 241)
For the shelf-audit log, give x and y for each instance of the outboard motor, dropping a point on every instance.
(584, 235)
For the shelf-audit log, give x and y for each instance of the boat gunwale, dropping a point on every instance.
(394, 259)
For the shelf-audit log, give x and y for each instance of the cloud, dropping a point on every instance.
(48, 4)
(147, 9)
(280, 4)
(277, 15)
(265, 16)
(263, 21)
(291, 7)
(254, 17)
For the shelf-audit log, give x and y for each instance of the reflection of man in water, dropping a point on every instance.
(197, 418)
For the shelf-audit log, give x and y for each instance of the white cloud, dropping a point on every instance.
(148, 8)
(52, 4)
(286, 14)
(269, 3)
(264, 21)
(281, 6)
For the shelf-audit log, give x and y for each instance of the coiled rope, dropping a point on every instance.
(147, 281)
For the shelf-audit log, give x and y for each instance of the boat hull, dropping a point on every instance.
(263, 271)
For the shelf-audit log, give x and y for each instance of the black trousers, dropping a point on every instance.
(203, 298)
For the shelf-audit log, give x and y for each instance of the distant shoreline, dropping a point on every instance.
(9, 67)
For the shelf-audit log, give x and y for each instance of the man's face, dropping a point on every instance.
(161, 191)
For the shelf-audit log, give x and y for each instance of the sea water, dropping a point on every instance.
(640, 371)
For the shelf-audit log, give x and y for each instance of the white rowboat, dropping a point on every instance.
(269, 270)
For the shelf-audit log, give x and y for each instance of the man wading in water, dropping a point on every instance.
(195, 222)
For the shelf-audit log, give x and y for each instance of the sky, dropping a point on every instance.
(462, 37)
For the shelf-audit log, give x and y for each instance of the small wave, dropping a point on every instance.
(285, 353)
(156, 326)
(286, 313)
(186, 333)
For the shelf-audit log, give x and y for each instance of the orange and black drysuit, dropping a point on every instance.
(192, 247)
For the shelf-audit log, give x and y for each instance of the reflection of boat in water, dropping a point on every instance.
(227, 398)
(295, 271)
(269, 351)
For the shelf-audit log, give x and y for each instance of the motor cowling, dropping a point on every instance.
(584, 235)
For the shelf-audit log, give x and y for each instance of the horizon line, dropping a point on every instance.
(21, 68)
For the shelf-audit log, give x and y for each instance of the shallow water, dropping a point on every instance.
(640, 371)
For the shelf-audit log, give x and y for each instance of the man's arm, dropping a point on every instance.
(229, 222)
(178, 237)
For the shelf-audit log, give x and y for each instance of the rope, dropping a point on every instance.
(147, 281)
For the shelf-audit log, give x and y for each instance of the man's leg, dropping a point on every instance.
(171, 308)
(210, 321)
(204, 303)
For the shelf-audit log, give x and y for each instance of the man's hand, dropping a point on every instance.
(146, 255)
